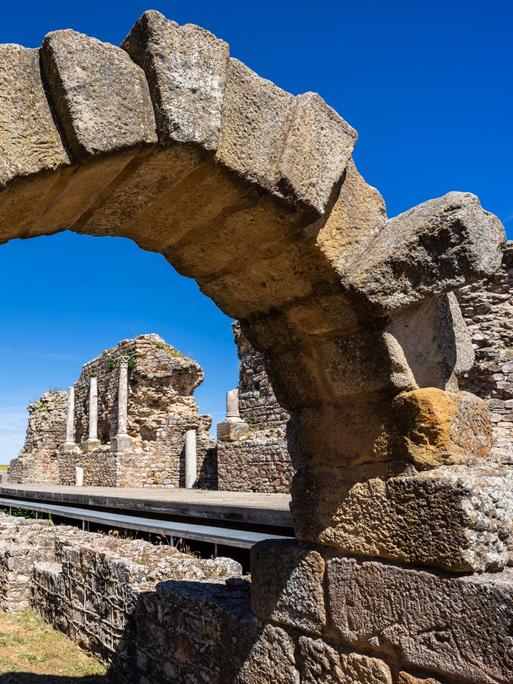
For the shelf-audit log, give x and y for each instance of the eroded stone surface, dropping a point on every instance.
(435, 341)
(405, 678)
(287, 585)
(324, 664)
(441, 428)
(318, 147)
(29, 139)
(428, 250)
(107, 112)
(454, 626)
(452, 517)
(271, 659)
(186, 69)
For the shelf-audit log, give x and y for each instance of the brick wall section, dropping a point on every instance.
(260, 462)
(487, 307)
(46, 431)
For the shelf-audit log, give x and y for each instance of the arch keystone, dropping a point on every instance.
(186, 71)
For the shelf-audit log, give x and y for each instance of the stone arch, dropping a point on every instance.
(170, 141)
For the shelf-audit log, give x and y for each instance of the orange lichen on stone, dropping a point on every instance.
(442, 428)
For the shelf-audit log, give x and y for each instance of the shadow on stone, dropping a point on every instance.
(30, 678)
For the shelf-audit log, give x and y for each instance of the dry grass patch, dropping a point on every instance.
(32, 652)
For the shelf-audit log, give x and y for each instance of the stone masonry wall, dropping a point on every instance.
(487, 307)
(46, 431)
(159, 616)
(259, 461)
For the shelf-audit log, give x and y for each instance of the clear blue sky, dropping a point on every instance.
(428, 85)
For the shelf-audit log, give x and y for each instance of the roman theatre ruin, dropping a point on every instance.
(400, 570)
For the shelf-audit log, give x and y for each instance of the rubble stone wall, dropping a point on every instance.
(46, 431)
(488, 310)
(259, 461)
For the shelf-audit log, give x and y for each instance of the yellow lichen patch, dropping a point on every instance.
(440, 428)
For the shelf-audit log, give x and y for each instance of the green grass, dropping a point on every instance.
(29, 646)
(3, 467)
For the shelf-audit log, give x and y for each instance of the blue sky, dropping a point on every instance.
(429, 87)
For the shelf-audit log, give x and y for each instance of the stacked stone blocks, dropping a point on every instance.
(254, 193)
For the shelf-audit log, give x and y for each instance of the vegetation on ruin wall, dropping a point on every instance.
(169, 349)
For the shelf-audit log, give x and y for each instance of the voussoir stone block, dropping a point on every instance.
(320, 663)
(317, 150)
(29, 139)
(186, 71)
(451, 626)
(255, 123)
(101, 97)
(433, 248)
(457, 518)
(287, 584)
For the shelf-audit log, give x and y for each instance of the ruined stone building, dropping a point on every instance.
(148, 449)
(252, 450)
(487, 307)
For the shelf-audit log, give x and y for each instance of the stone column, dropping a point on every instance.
(122, 441)
(233, 427)
(69, 444)
(92, 441)
(232, 405)
(190, 459)
(79, 476)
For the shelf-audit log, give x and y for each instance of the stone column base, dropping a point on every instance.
(70, 448)
(232, 430)
(90, 445)
(122, 443)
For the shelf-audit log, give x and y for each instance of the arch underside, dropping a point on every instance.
(253, 192)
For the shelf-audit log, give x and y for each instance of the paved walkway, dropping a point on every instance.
(268, 509)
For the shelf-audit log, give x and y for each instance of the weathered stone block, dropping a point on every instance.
(186, 71)
(454, 517)
(29, 139)
(30, 142)
(428, 250)
(451, 626)
(232, 430)
(442, 428)
(435, 341)
(362, 365)
(287, 584)
(320, 663)
(271, 659)
(255, 123)
(100, 96)
(405, 678)
(317, 149)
